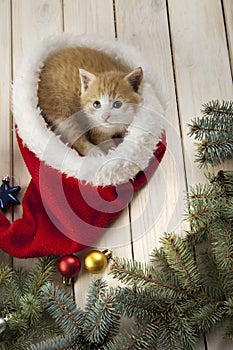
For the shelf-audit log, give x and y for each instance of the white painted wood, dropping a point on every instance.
(201, 64)
(5, 83)
(5, 90)
(228, 12)
(159, 206)
(89, 17)
(217, 339)
(97, 18)
(32, 21)
(202, 73)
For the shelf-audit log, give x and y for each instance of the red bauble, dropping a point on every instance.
(69, 266)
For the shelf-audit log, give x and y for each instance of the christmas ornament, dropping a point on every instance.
(7, 193)
(3, 325)
(96, 261)
(69, 267)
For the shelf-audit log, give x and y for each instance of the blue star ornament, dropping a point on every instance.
(7, 195)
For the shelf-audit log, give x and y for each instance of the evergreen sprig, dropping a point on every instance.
(92, 329)
(61, 306)
(144, 275)
(214, 132)
(184, 291)
(102, 318)
(60, 343)
(21, 305)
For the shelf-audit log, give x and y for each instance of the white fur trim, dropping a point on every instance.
(119, 165)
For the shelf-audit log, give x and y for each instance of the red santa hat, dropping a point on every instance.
(71, 199)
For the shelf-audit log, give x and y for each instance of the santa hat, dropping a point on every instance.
(71, 199)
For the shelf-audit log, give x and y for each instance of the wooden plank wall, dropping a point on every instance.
(189, 46)
(5, 90)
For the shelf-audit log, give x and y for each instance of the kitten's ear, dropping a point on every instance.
(86, 78)
(135, 79)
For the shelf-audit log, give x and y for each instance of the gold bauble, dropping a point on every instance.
(95, 261)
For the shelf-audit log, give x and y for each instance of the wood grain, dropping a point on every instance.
(100, 22)
(228, 13)
(201, 64)
(5, 91)
(32, 21)
(89, 17)
(185, 43)
(159, 206)
(202, 74)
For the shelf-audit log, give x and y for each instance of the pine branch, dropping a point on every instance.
(60, 343)
(97, 290)
(167, 339)
(212, 279)
(224, 180)
(20, 344)
(215, 108)
(204, 205)
(208, 316)
(160, 263)
(182, 323)
(197, 236)
(143, 336)
(23, 307)
(180, 258)
(223, 253)
(214, 131)
(143, 275)
(19, 279)
(62, 308)
(41, 275)
(215, 151)
(204, 211)
(169, 327)
(216, 117)
(140, 304)
(13, 292)
(185, 291)
(102, 318)
(5, 274)
(30, 308)
(160, 334)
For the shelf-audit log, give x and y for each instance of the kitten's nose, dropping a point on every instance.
(106, 116)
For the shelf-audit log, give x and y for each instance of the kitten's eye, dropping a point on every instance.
(117, 104)
(96, 104)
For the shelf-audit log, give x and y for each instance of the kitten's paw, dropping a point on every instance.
(95, 152)
(107, 146)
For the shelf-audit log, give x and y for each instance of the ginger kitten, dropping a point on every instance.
(88, 97)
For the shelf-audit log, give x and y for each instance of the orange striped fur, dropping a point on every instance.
(87, 97)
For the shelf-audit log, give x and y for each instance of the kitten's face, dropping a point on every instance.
(110, 99)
